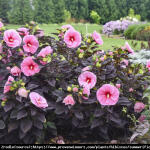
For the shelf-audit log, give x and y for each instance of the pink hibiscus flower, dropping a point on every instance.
(12, 38)
(38, 100)
(29, 67)
(45, 52)
(23, 31)
(15, 71)
(72, 38)
(97, 37)
(31, 44)
(68, 100)
(87, 79)
(1, 24)
(7, 85)
(142, 118)
(148, 65)
(86, 91)
(138, 107)
(108, 95)
(128, 47)
(68, 26)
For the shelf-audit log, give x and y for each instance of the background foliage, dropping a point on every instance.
(45, 11)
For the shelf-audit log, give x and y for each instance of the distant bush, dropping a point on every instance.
(138, 32)
(95, 17)
(130, 29)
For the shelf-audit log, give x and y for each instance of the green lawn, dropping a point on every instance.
(89, 28)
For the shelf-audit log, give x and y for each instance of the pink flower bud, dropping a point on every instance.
(86, 68)
(118, 86)
(102, 58)
(142, 118)
(23, 92)
(8, 68)
(131, 90)
(15, 71)
(110, 53)
(81, 51)
(138, 107)
(75, 89)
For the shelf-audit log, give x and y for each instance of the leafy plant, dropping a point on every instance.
(57, 78)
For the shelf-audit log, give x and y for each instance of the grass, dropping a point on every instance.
(89, 28)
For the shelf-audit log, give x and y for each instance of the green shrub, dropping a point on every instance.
(95, 17)
(130, 29)
(137, 30)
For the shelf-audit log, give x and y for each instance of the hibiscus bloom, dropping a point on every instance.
(15, 71)
(12, 38)
(7, 85)
(138, 107)
(97, 37)
(38, 100)
(72, 38)
(108, 95)
(45, 52)
(29, 67)
(31, 44)
(68, 100)
(128, 47)
(87, 79)
(23, 31)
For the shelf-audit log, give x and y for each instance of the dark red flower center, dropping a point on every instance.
(108, 95)
(88, 80)
(31, 67)
(72, 38)
(11, 39)
(29, 44)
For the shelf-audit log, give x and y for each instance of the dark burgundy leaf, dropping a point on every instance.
(38, 124)
(21, 134)
(98, 113)
(75, 121)
(79, 115)
(8, 106)
(13, 114)
(32, 86)
(52, 82)
(59, 109)
(2, 124)
(95, 123)
(41, 117)
(12, 126)
(21, 114)
(26, 125)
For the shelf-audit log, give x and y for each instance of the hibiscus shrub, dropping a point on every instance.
(66, 85)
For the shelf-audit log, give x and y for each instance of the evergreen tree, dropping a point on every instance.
(44, 11)
(4, 8)
(21, 12)
(59, 13)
